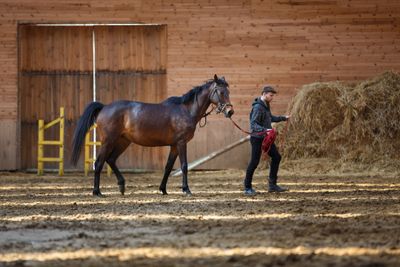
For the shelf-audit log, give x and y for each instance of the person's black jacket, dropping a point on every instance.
(261, 117)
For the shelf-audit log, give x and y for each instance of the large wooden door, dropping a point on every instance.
(55, 69)
(131, 64)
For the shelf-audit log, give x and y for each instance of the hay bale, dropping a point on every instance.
(350, 123)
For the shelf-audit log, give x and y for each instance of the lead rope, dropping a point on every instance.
(205, 117)
(237, 126)
(207, 113)
(266, 133)
(246, 132)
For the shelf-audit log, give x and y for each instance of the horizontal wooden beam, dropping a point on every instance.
(212, 155)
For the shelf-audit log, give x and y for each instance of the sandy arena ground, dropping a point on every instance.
(341, 220)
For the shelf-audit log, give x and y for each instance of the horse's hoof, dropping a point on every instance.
(97, 194)
(163, 191)
(122, 189)
(188, 193)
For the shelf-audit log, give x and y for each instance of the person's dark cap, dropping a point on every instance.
(268, 89)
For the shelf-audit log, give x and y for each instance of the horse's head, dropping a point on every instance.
(219, 96)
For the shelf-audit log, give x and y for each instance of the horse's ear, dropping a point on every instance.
(215, 78)
(223, 78)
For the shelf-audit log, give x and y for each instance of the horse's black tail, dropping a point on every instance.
(85, 122)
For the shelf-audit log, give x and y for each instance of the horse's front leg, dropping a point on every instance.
(184, 167)
(173, 154)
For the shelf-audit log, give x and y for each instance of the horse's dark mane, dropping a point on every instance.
(190, 95)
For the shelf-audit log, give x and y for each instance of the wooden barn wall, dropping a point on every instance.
(131, 64)
(55, 71)
(285, 43)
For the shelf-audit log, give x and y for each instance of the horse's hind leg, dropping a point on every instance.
(119, 148)
(173, 154)
(104, 152)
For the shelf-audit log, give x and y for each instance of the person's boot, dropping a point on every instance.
(273, 187)
(248, 190)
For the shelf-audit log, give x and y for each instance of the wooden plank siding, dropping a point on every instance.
(285, 43)
(55, 71)
(131, 64)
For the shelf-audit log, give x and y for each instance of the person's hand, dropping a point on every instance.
(287, 117)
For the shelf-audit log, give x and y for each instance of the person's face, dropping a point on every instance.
(268, 97)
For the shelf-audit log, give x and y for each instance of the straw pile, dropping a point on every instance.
(348, 123)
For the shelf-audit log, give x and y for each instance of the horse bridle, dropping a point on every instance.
(220, 107)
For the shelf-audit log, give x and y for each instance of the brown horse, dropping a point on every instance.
(169, 123)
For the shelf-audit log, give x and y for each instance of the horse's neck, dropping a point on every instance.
(199, 107)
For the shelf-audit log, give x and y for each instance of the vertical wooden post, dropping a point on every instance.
(61, 152)
(40, 146)
(87, 161)
(109, 171)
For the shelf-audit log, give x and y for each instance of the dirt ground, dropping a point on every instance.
(335, 220)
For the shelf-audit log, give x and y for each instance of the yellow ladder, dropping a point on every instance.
(59, 143)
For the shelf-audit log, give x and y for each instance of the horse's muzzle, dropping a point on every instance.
(229, 112)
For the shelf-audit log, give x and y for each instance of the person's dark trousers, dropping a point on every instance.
(255, 159)
(274, 167)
